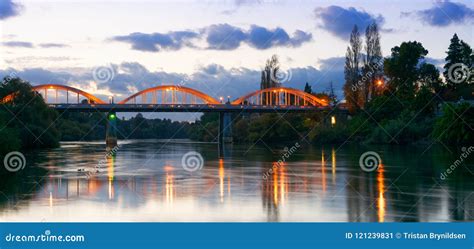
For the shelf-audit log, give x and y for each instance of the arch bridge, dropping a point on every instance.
(173, 98)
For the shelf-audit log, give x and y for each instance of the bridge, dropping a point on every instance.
(175, 98)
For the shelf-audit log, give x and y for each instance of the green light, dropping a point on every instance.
(112, 116)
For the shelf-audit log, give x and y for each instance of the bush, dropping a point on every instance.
(28, 114)
(455, 126)
(330, 135)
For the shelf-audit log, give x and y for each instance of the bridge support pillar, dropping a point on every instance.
(225, 127)
(111, 134)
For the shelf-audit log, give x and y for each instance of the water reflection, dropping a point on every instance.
(333, 165)
(323, 171)
(221, 179)
(169, 187)
(381, 202)
(110, 174)
(233, 188)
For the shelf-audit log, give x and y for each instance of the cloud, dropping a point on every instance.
(53, 45)
(217, 37)
(332, 64)
(21, 44)
(158, 41)
(262, 38)
(444, 13)
(9, 9)
(340, 21)
(247, 2)
(43, 76)
(224, 37)
(212, 79)
(212, 69)
(240, 3)
(25, 61)
(300, 37)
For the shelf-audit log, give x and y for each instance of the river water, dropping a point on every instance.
(144, 180)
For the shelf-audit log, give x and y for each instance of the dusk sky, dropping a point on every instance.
(216, 47)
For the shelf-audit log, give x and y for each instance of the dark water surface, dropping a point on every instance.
(145, 181)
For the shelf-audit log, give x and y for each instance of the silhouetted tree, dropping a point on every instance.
(29, 115)
(459, 61)
(269, 77)
(402, 68)
(269, 74)
(454, 56)
(467, 56)
(373, 62)
(307, 88)
(429, 77)
(352, 88)
(332, 95)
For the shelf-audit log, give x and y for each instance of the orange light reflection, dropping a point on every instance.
(381, 202)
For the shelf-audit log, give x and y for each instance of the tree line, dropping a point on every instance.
(397, 99)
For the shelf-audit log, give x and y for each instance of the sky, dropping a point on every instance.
(218, 47)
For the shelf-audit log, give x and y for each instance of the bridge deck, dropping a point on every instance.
(184, 108)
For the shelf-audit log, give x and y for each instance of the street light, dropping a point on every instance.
(333, 121)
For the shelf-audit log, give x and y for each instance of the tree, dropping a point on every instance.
(373, 62)
(468, 60)
(332, 95)
(29, 115)
(429, 78)
(352, 88)
(402, 68)
(307, 88)
(269, 74)
(451, 129)
(459, 61)
(454, 56)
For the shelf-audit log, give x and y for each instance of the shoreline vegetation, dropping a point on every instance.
(399, 99)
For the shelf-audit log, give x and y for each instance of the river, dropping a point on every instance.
(144, 180)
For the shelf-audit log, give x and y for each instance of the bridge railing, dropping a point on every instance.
(178, 95)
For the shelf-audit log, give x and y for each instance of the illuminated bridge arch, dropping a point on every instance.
(170, 94)
(61, 94)
(280, 96)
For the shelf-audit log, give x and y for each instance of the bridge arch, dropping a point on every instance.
(169, 95)
(45, 88)
(280, 96)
